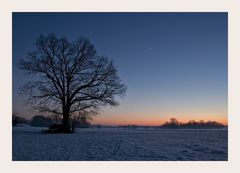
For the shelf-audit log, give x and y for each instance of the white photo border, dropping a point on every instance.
(9, 6)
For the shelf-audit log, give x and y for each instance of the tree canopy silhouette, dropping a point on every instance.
(69, 78)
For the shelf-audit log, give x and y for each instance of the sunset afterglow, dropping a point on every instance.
(173, 64)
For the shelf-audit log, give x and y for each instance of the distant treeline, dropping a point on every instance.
(42, 121)
(173, 123)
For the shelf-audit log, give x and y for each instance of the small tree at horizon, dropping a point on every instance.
(69, 78)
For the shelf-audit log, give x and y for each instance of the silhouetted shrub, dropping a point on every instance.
(18, 120)
(41, 121)
(58, 128)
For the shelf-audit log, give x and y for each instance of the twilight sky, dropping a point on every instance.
(174, 64)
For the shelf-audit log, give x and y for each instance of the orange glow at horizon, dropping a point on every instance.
(155, 115)
(153, 121)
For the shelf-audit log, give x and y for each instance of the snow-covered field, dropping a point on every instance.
(120, 144)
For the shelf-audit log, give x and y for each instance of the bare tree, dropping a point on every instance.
(173, 121)
(69, 78)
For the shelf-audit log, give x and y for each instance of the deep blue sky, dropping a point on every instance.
(174, 64)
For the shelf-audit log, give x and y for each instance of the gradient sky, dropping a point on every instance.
(174, 64)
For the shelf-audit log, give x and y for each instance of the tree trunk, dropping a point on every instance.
(65, 123)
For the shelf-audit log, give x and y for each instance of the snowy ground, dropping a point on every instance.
(120, 144)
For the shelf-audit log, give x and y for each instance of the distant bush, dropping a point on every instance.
(18, 120)
(81, 122)
(41, 121)
(174, 123)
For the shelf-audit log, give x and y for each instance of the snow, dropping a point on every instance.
(120, 144)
